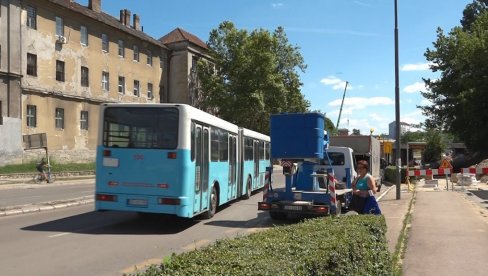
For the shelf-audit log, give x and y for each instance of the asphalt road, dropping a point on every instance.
(45, 193)
(79, 241)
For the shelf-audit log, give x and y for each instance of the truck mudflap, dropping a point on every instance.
(301, 208)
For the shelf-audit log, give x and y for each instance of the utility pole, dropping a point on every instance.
(340, 110)
(398, 152)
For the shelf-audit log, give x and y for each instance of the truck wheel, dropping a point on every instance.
(277, 215)
(212, 204)
(247, 195)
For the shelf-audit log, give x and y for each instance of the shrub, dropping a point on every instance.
(345, 245)
(390, 174)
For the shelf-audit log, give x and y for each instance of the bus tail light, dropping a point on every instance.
(172, 155)
(105, 197)
(112, 183)
(107, 153)
(163, 186)
(169, 201)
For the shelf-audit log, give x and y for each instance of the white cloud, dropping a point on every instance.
(276, 5)
(361, 102)
(414, 117)
(336, 83)
(376, 117)
(425, 102)
(415, 87)
(416, 67)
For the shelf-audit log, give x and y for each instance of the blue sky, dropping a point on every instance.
(340, 40)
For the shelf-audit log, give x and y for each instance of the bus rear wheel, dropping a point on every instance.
(247, 195)
(212, 204)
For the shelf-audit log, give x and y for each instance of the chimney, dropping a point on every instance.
(127, 17)
(122, 16)
(137, 24)
(95, 5)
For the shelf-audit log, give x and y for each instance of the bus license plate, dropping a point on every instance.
(137, 202)
(292, 207)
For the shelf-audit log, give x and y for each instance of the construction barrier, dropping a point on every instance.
(475, 170)
(429, 172)
(332, 190)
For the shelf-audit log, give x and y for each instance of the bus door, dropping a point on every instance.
(201, 168)
(256, 164)
(233, 166)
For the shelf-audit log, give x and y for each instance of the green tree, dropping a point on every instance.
(435, 146)
(459, 97)
(413, 136)
(356, 131)
(253, 74)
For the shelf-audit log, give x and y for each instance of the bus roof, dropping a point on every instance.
(254, 134)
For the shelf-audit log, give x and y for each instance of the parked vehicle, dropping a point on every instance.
(318, 177)
(364, 148)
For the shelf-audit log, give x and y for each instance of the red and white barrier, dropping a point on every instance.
(332, 190)
(430, 172)
(475, 170)
(267, 181)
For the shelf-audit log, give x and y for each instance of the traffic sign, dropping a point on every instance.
(387, 147)
(445, 164)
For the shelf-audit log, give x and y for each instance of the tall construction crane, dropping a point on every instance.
(342, 104)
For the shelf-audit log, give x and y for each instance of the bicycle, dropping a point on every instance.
(38, 178)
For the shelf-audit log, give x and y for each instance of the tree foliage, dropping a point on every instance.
(253, 74)
(460, 96)
(436, 144)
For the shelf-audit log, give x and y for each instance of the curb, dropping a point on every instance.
(46, 206)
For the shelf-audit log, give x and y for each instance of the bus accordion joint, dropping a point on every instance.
(169, 201)
(163, 186)
(105, 197)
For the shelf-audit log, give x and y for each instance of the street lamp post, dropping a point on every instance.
(398, 154)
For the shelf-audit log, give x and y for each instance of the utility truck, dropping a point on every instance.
(317, 177)
(364, 147)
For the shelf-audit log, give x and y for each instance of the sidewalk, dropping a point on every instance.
(448, 234)
(394, 212)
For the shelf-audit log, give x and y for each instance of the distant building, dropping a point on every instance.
(404, 127)
(60, 60)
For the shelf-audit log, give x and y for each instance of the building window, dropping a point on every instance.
(105, 81)
(59, 118)
(84, 120)
(84, 77)
(31, 64)
(121, 85)
(149, 58)
(121, 48)
(31, 17)
(136, 53)
(150, 91)
(161, 62)
(84, 35)
(59, 70)
(31, 116)
(59, 26)
(136, 88)
(105, 42)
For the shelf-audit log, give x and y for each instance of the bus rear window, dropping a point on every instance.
(141, 127)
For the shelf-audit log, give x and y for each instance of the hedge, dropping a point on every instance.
(345, 245)
(390, 174)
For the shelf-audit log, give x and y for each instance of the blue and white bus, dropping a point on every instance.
(174, 159)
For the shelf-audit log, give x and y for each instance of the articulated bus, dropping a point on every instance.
(174, 159)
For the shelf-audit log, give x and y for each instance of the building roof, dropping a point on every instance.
(179, 35)
(106, 19)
